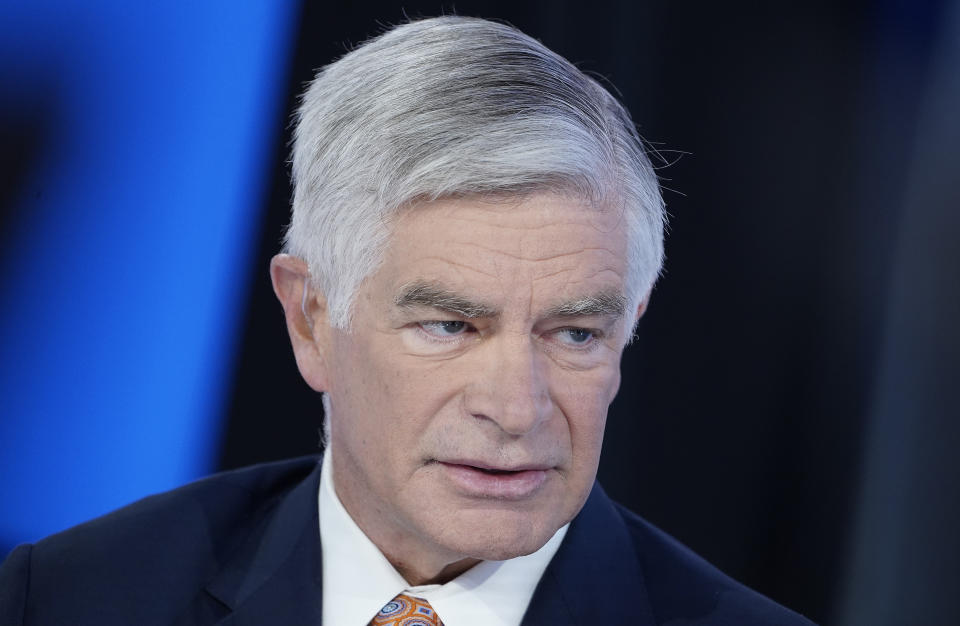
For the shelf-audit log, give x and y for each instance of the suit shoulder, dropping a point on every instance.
(683, 585)
(214, 503)
(173, 541)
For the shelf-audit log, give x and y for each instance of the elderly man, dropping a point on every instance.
(476, 230)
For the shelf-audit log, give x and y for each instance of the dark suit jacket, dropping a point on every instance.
(243, 547)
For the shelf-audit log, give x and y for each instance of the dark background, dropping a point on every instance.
(789, 409)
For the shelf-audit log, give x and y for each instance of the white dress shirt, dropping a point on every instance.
(358, 580)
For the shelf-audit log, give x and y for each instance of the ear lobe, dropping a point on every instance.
(306, 315)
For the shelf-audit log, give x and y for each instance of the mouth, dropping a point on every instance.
(480, 480)
(487, 470)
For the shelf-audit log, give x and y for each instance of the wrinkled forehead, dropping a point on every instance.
(543, 246)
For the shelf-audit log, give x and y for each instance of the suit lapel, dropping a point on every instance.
(595, 577)
(276, 578)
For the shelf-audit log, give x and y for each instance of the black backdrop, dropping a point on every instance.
(747, 421)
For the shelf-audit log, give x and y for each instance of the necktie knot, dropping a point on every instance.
(406, 610)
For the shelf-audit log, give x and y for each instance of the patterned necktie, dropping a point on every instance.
(406, 610)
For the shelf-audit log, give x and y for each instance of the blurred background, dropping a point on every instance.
(790, 409)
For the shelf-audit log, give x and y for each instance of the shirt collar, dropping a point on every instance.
(358, 580)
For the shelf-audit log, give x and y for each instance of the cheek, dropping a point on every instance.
(585, 403)
(395, 394)
(365, 370)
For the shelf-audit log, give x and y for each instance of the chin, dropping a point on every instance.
(498, 535)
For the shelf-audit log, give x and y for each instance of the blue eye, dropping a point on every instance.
(444, 328)
(576, 336)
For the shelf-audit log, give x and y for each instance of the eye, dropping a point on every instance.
(445, 328)
(576, 336)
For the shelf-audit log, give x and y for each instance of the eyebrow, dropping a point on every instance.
(436, 296)
(605, 303)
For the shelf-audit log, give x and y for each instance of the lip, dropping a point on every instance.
(509, 483)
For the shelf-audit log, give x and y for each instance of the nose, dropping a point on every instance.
(512, 386)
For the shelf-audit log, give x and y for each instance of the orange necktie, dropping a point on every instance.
(406, 610)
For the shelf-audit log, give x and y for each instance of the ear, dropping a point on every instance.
(642, 307)
(306, 314)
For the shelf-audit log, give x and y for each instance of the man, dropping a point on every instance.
(476, 230)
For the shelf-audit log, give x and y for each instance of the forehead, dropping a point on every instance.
(542, 247)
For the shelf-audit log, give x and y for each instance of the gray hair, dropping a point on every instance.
(452, 107)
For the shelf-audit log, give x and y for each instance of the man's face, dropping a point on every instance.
(470, 395)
